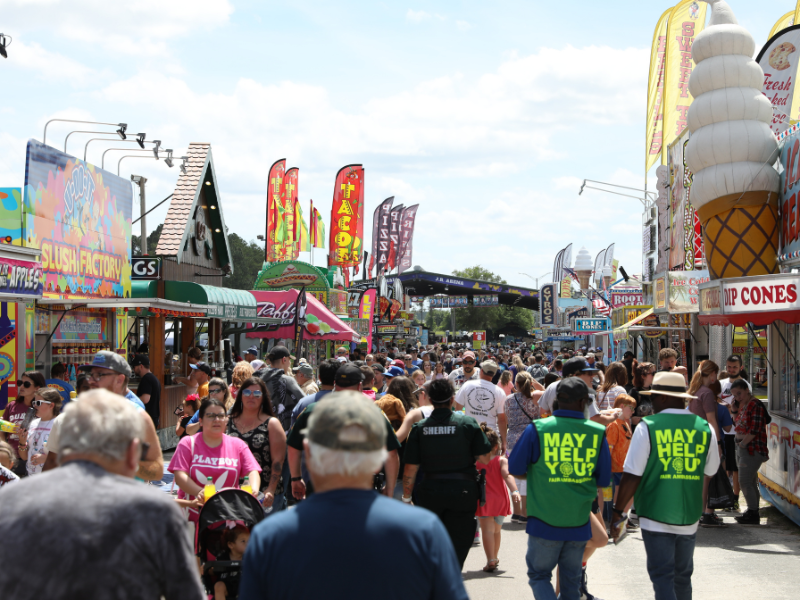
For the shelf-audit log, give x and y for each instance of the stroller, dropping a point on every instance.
(224, 510)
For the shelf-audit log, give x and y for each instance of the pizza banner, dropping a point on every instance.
(394, 236)
(779, 59)
(276, 232)
(686, 20)
(407, 221)
(380, 236)
(347, 217)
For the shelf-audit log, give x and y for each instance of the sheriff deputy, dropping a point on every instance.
(567, 462)
(670, 452)
(445, 446)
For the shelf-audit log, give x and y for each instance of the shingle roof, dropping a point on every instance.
(180, 207)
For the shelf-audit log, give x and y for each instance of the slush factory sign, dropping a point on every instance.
(143, 268)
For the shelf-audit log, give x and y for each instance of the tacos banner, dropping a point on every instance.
(347, 217)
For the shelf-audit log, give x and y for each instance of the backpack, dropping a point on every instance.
(276, 387)
(538, 372)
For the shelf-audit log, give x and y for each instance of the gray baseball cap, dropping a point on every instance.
(489, 366)
(111, 361)
(305, 369)
(347, 421)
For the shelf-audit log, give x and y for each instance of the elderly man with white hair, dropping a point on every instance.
(345, 446)
(111, 535)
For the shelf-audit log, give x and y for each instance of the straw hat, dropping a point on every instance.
(667, 383)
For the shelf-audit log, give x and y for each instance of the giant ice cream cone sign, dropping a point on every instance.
(583, 267)
(732, 150)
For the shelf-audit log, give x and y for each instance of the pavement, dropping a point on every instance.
(737, 561)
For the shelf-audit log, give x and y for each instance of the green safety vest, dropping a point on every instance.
(561, 484)
(671, 489)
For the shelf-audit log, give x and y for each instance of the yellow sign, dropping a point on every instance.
(661, 293)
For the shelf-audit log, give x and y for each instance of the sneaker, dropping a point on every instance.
(710, 520)
(750, 517)
(736, 506)
(477, 540)
(585, 595)
(515, 518)
(522, 519)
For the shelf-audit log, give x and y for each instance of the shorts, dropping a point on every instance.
(522, 486)
(730, 453)
(498, 520)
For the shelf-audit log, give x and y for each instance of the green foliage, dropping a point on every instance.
(247, 259)
(152, 242)
(489, 318)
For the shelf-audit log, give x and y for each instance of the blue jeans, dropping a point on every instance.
(543, 556)
(670, 562)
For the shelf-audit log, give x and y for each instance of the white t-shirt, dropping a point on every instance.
(483, 401)
(606, 399)
(636, 461)
(458, 379)
(549, 397)
(38, 433)
(725, 395)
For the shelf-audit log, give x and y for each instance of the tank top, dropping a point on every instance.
(498, 500)
(426, 411)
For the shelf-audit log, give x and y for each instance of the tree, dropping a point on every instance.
(489, 318)
(152, 242)
(247, 259)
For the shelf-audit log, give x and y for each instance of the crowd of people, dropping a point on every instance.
(559, 442)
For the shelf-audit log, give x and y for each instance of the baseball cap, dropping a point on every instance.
(252, 350)
(111, 361)
(348, 376)
(489, 366)
(141, 359)
(572, 389)
(341, 359)
(399, 363)
(279, 352)
(394, 372)
(468, 354)
(347, 421)
(201, 366)
(577, 365)
(257, 364)
(305, 369)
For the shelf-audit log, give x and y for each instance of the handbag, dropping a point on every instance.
(720, 491)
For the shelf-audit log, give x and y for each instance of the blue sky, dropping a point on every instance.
(486, 114)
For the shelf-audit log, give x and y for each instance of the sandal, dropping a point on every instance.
(491, 566)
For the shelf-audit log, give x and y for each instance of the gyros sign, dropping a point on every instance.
(764, 295)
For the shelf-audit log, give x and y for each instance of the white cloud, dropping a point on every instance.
(463, 26)
(48, 65)
(418, 16)
(141, 27)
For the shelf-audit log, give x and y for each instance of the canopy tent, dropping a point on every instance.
(321, 324)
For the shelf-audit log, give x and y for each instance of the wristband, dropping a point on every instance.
(406, 500)
(516, 492)
(618, 511)
(296, 479)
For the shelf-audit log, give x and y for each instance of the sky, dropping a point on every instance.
(489, 115)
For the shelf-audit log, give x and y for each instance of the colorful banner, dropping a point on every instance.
(655, 92)
(291, 182)
(302, 230)
(354, 303)
(317, 232)
(480, 301)
(366, 310)
(405, 253)
(11, 347)
(478, 340)
(380, 236)
(395, 219)
(11, 216)
(20, 277)
(347, 217)
(276, 230)
(566, 286)
(394, 309)
(779, 60)
(686, 20)
(449, 302)
(79, 216)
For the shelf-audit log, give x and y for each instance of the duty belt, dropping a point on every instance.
(462, 476)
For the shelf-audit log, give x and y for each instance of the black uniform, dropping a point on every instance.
(445, 446)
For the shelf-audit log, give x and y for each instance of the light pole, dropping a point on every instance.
(139, 140)
(120, 132)
(648, 199)
(536, 279)
(122, 126)
(103, 159)
(167, 160)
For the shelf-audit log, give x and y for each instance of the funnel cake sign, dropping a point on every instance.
(79, 216)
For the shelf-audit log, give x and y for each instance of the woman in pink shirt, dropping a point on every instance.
(212, 454)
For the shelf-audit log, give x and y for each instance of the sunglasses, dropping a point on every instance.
(26, 384)
(38, 403)
(216, 416)
(468, 362)
(145, 449)
(95, 377)
(215, 390)
(254, 393)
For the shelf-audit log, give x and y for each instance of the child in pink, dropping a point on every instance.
(498, 504)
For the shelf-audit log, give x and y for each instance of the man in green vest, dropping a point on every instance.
(670, 453)
(567, 462)
(445, 446)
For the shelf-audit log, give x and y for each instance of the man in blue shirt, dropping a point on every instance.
(327, 377)
(562, 485)
(344, 446)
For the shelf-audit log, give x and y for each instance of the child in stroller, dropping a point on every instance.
(223, 530)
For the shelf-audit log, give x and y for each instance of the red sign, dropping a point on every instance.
(347, 217)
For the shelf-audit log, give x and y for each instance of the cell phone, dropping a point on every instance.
(179, 410)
